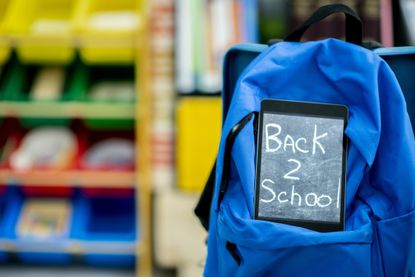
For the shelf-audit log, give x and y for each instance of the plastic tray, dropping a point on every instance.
(9, 130)
(37, 41)
(5, 197)
(4, 39)
(52, 191)
(19, 80)
(400, 59)
(106, 220)
(106, 45)
(6, 74)
(13, 213)
(95, 74)
(92, 138)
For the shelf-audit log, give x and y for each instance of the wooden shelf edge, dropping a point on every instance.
(76, 178)
(72, 246)
(120, 110)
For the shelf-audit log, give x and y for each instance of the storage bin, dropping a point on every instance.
(104, 82)
(96, 160)
(40, 189)
(108, 30)
(106, 221)
(43, 30)
(10, 137)
(4, 38)
(5, 197)
(20, 82)
(19, 86)
(94, 138)
(198, 134)
(6, 74)
(33, 246)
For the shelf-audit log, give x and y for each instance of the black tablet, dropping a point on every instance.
(301, 164)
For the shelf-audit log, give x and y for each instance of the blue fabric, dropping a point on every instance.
(379, 239)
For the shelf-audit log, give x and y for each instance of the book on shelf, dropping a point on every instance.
(408, 19)
(205, 30)
(274, 19)
(386, 23)
(370, 15)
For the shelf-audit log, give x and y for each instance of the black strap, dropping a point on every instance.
(202, 209)
(353, 23)
(228, 157)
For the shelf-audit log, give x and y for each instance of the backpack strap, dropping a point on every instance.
(202, 209)
(353, 23)
(228, 149)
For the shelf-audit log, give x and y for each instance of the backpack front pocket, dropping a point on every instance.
(274, 249)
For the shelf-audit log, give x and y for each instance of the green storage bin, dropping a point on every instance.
(111, 75)
(20, 81)
(5, 75)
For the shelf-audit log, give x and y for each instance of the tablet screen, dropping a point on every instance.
(301, 164)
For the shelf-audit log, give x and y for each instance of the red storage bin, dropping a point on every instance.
(58, 190)
(11, 134)
(93, 139)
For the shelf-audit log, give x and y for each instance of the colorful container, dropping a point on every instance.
(110, 84)
(39, 228)
(108, 30)
(43, 30)
(4, 38)
(110, 222)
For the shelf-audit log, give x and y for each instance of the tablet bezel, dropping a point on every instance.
(308, 109)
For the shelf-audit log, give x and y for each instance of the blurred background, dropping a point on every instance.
(110, 118)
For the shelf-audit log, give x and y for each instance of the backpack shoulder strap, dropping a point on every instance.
(202, 209)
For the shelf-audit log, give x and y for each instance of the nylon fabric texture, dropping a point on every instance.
(379, 237)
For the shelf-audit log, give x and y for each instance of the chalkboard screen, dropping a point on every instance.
(301, 164)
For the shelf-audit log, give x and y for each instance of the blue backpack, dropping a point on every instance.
(379, 235)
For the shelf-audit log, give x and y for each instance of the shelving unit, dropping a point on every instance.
(90, 110)
(95, 48)
(65, 178)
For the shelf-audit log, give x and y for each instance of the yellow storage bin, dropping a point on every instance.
(108, 29)
(43, 30)
(199, 121)
(4, 39)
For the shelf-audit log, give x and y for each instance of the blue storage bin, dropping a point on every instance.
(6, 207)
(33, 250)
(110, 223)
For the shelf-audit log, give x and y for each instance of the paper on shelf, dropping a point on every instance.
(50, 26)
(48, 84)
(44, 218)
(113, 91)
(52, 147)
(113, 152)
(114, 21)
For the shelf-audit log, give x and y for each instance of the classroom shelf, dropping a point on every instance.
(42, 34)
(72, 247)
(80, 178)
(85, 110)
